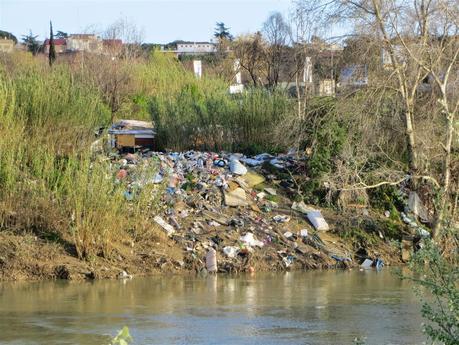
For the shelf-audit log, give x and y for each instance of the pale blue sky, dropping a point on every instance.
(160, 20)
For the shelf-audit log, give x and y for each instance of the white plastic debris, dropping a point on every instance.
(301, 207)
(423, 233)
(416, 206)
(250, 240)
(270, 191)
(366, 264)
(288, 234)
(158, 178)
(317, 220)
(166, 226)
(237, 167)
(304, 232)
(281, 219)
(230, 251)
(261, 195)
(211, 261)
(124, 275)
(287, 261)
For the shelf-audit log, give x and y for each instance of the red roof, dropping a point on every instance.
(57, 42)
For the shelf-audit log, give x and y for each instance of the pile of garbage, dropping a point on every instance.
(233, 210)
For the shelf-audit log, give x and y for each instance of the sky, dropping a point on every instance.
(160, 21)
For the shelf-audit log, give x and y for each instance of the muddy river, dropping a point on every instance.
(319, 308)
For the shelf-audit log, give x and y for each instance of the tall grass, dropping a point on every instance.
(48, 182)
(201, 114)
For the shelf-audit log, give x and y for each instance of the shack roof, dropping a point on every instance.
(132, 127)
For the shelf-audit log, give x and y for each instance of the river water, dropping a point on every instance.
(317, 307)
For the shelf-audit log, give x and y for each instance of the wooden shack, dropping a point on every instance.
(132, 134)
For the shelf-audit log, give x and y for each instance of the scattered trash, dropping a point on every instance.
(281, 219)
(235, 203)
(261, 195)
(237, 167)
(423, 233)
(122, 174)
(252, 179)
(161, 222)
(288, 234)
(270, 191)
(237, 222)
(158, 178)
(301, 207)
(230, 251)
(236, 198)
(304, 232)
(379, 264)
(128, 195)
(288, 261)
(340, 258)
(367, 264)
(415, 205)
(124, 275)
(249, 240)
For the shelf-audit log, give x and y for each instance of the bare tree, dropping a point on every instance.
(276, 32)
(439, 58)
(128, 33)
(420, 45)
(251, 50)
(305, 23)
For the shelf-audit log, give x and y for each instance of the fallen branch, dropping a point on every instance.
(364, 186)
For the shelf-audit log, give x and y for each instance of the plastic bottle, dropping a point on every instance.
(211, 261)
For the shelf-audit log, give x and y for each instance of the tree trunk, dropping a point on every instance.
(411, 143)
(298, 96)
(444, 196)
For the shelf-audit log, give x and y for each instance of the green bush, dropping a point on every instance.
(437, 281)
(326, 137)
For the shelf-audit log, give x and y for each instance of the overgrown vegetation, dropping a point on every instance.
(362, 146)
(437, 279)
(49, 184)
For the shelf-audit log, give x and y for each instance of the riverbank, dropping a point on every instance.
(192, 203)
(28, 257)
(205, 201)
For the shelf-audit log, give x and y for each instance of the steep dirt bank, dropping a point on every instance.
(27, 257)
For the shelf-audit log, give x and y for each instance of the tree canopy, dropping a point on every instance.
(8, 35)
(61, 34)
(31, 42)
(222, 32)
